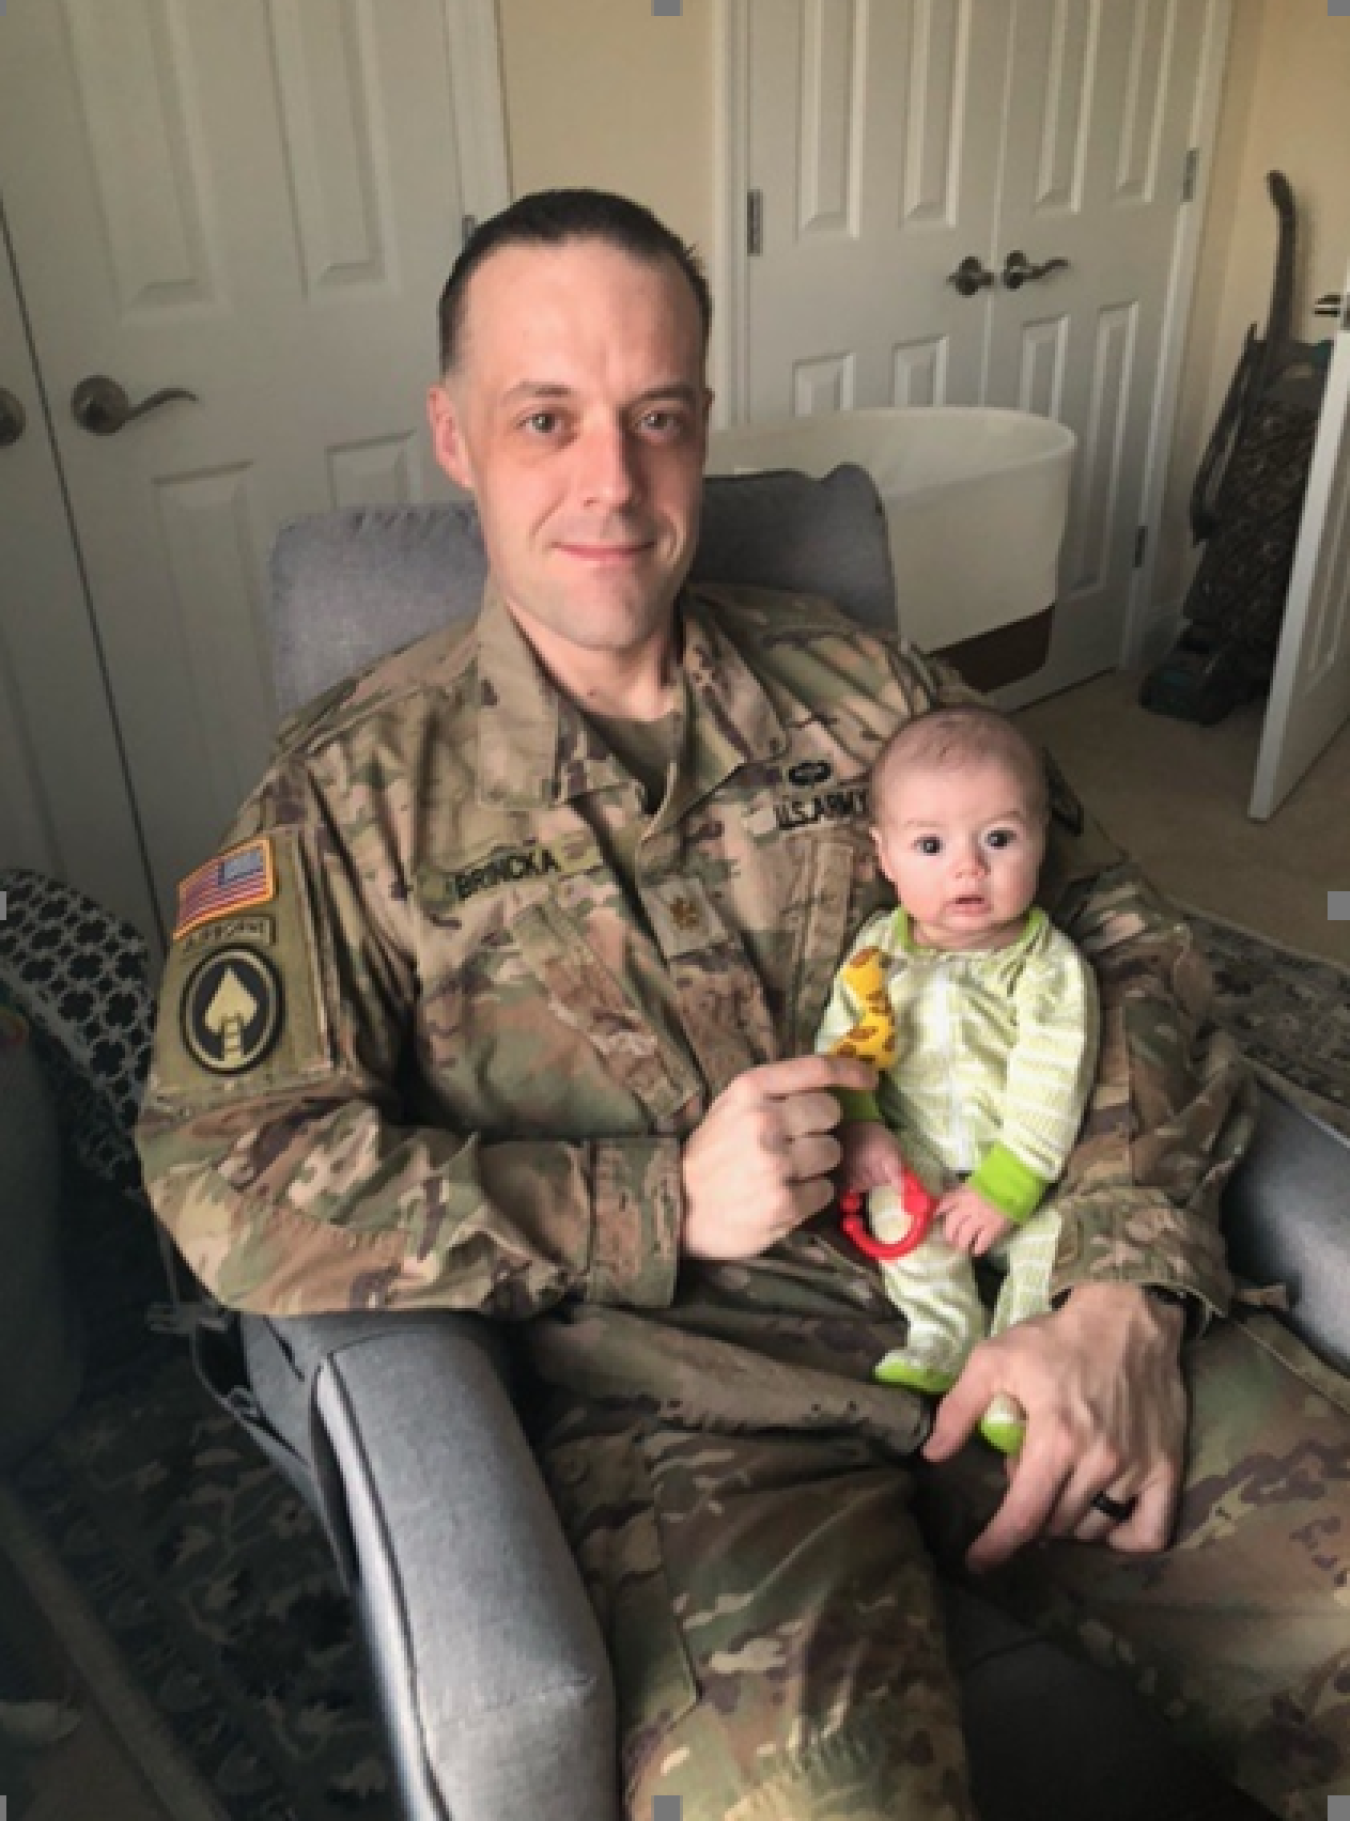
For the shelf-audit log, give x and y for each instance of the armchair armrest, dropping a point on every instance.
(1287, 1220)
(488, 1661)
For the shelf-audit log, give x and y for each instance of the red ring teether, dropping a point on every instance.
(917, 1203)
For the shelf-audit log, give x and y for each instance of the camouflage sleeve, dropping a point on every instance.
(1172, 1108)
(282, 1155)
(940, 681)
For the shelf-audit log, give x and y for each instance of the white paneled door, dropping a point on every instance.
(240, 216)
(874, 137)
(65, 801)
(1310, 691)
(978, 202)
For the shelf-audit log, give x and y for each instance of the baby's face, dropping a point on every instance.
(962, 846)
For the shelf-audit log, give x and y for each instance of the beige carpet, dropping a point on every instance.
(1176, 796)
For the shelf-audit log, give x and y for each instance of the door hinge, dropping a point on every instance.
(1140, 546)
(1190, 172)
(468, 227)
(754, 223)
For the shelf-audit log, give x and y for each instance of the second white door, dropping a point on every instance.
(895, 140)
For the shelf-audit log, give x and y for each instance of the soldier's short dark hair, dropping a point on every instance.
(551, 218)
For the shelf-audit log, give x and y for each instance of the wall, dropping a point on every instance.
(600, 92)
(1286, 107)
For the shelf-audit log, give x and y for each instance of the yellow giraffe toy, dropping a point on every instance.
(874, 1038)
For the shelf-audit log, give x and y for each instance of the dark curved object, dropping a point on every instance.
(1256, 369)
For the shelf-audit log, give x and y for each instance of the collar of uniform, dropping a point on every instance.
(532, 740)
(732, 719)
(517, 713)
(535, 747)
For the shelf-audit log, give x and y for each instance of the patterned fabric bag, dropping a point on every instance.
(81, 978)
(1248, 495)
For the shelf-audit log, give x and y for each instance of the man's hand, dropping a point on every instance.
(760, 1163)
(970, 1223)
(1106, 1413)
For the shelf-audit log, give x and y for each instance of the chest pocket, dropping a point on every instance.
(585, 996)
(838, 886)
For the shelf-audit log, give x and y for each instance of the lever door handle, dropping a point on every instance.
(971, 276)
(13, 418)
(1018, 269)
(100, 406)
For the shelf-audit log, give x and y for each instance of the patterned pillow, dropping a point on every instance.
(81, 977)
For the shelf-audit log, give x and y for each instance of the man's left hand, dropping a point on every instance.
(1106, 1414)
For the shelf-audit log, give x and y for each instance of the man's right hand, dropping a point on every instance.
(760, 1162)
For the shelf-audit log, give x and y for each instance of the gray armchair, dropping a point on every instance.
(401, 1431)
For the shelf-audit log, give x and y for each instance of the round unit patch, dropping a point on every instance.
(232, 1010)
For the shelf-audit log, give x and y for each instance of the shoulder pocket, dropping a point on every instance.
(242, 1007)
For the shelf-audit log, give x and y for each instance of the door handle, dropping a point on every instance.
(971, 276)
(1018, 269)
(100, 406)
(13, 419)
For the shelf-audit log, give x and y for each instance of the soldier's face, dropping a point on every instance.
(577, 416)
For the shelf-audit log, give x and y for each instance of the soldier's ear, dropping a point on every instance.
(447, 436)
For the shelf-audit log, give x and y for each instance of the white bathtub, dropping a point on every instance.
(976, 503)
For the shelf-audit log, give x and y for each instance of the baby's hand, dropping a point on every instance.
(969, 1222)
(872, 1156)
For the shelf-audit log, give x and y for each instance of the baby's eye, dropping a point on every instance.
(928, 844)
(1001, 837)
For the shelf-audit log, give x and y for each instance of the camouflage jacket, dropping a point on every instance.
(421, 1045)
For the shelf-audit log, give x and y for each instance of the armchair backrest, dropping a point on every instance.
(350, 586)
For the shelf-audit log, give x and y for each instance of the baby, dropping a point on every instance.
(988, 1017)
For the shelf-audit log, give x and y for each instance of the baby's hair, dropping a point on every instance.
(968, 733)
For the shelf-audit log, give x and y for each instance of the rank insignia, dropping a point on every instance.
(232, 1010)
(232, 882)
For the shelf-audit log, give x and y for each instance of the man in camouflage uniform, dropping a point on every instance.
(501, 998)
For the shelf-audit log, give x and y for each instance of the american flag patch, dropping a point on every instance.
(231, 882)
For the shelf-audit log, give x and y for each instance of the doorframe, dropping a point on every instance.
(478, 88)
(729, 348)
(1149, 623)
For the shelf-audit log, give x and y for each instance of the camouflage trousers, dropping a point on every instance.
(763, 1554)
